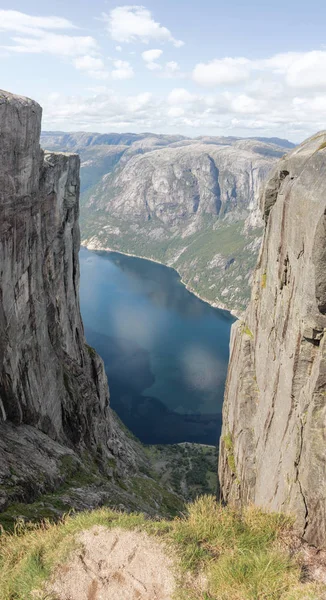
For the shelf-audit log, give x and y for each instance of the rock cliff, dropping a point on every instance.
(55, 420)
(273, 449)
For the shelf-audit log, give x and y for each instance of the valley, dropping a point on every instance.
(188, 203)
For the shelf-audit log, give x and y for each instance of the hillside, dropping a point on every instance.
(188, 203)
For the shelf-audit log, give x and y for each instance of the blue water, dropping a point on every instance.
(165, 351)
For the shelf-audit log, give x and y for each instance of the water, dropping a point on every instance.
(165, 351)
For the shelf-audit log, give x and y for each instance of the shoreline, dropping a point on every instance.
(191, 290)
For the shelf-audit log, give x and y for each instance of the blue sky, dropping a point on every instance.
(209, 67)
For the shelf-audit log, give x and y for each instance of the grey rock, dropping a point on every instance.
(54, 395)
(273, 450)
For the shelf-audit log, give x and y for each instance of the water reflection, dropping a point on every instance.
(165, 351)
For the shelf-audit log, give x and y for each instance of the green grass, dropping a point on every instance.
(246, 331)
(228, 445)
(239, 555)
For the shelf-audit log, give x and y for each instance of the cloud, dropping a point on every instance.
(150, 57)
(122, 70)
(127, 24)
(13, 20)
(176, 111)
(40, 35)
(224, 113)
(301, 70)
(222, 71)
(93, 66)
(118, 48)
(103, 111)
(180, 96)
(307, 71)
(52, 43)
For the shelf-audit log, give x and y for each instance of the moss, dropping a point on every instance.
(91, 351)
(112, 463)
(246, 331)
(229, 448)
(145, 488)
(263, 280)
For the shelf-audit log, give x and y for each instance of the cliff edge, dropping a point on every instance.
(54, 398)
(273, 450)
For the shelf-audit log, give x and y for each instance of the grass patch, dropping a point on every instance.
(246, 331)
(238, 553)
(322, 146)
(228, 445)
(90, 351)
(263, 280)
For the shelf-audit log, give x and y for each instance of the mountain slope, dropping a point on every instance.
(189, 203)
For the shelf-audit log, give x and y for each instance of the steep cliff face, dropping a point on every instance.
(48, 377)
(54, 400)
(273, 450)
(177, 184)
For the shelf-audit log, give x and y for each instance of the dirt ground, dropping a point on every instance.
(115, 565)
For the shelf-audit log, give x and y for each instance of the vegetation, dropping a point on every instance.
(263, 280)
(226, 553)
(228, 444)
(218, 248)
(246, 331)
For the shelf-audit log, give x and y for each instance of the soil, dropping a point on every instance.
(116, 565)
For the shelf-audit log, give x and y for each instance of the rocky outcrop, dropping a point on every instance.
(52, 385)
(273, 450)
(178, 183)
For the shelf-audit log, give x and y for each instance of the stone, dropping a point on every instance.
(53, 389)
(274, 412)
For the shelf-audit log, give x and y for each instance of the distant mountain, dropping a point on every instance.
(189, 203)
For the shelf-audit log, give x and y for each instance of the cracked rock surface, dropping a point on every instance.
(52, 385)
(273, 445)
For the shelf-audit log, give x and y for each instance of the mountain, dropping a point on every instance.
(273, 441)
(189, 203)
(58, 434)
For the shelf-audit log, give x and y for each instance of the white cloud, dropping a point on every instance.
(176, 111)
(180, 96)
(93, 66)
(118, 48)
(39, 35)
(308, 71)
(150, 57)
(135, 23)
(89, 63)
(122, 70)
(172, 67)
(222, 71)
(244, 104)
(13, 20)
(52, 43)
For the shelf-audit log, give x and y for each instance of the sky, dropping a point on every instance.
(206, 67)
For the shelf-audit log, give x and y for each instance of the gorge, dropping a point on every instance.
(57, 430)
